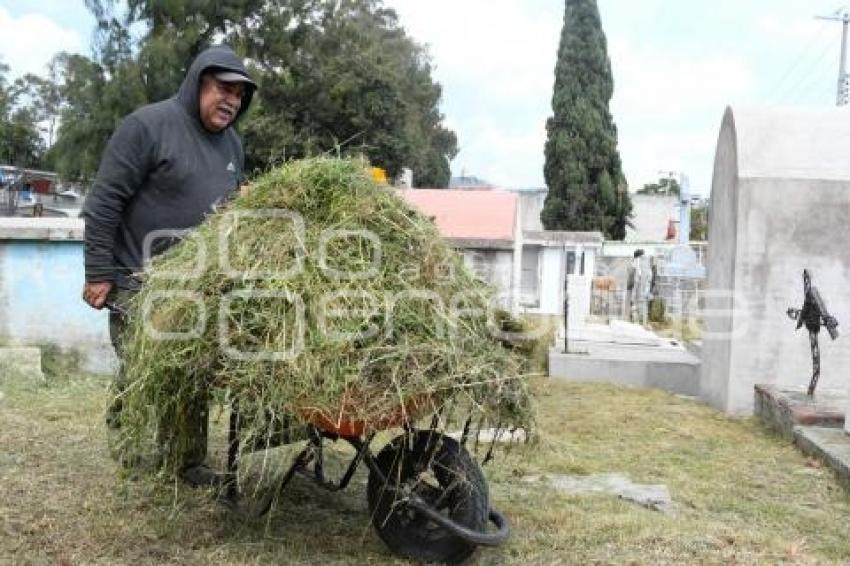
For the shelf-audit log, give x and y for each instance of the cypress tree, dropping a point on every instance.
(587, 189)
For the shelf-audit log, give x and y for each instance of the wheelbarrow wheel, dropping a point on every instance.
(438, 471)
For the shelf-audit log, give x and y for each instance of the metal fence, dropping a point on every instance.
(680, 304)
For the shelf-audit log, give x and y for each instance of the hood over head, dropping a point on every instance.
(219, 58)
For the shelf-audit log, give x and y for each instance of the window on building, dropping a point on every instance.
(530, 277)
(481, 263)
(571, 264)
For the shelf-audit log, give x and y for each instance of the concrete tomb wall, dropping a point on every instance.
(780, 202)
(41, 282)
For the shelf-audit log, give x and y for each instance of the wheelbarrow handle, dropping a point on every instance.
(502, 533)
(115, 308)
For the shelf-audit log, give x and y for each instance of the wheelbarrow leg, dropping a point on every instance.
(230, 496)
(231, 491)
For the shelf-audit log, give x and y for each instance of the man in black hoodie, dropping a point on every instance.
(165, 168)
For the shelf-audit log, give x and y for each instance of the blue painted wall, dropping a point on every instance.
(40, 299)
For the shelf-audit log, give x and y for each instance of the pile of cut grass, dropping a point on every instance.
(317, 296)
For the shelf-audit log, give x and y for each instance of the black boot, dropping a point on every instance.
(201, 475)
(113, 414)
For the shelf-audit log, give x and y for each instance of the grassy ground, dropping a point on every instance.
(743, 496)
(686, 330)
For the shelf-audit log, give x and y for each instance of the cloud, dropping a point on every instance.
(29, 41)
(495, 60)
(668, 105)
(503, 157)
(787, 30)
(667, 83)
(506, 44)
(682, 149)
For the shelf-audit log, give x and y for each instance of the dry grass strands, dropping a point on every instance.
(317, 297)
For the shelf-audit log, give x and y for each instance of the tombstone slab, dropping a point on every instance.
(653, 496)
(783, 408)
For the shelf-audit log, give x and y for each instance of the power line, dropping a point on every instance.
(819, 77)
(841, 92)
(819, 34)
(793, 92)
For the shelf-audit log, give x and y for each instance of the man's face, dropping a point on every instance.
(219, 102)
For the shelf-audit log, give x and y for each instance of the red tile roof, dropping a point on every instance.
(472, 214)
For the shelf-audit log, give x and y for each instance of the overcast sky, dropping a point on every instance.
(676, 65)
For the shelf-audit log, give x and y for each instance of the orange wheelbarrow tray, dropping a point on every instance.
(343, 423)
(427, 497)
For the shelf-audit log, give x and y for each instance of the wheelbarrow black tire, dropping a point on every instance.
(454, 483)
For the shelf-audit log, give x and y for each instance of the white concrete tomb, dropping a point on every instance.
(780, 203)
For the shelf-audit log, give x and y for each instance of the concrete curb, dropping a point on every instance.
(831, 445)
(45, 229)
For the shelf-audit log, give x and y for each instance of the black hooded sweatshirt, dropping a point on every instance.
(161, 172)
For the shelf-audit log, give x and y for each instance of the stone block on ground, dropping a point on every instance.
(655, 496)
(832, 445)
(784, 407)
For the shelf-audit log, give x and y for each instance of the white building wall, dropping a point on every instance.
(494, 266)
(551, 283)
(503, 270)
(531, 205)
(578, 287)
(551, 269)
(651, 217)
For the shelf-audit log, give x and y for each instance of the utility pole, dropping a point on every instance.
(684, 209)
(842, 97)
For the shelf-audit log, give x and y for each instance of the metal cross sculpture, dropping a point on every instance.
(813, 315)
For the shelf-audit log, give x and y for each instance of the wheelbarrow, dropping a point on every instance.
(427, 497)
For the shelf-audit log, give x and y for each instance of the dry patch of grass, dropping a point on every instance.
(743, 495)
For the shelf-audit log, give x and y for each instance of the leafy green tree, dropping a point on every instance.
(335, 76)
(664, 186)
(699, 223)
(93, 99)
(346, 79)
(587, 189)
(20, 140)
(43, 100)
(22, 144)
